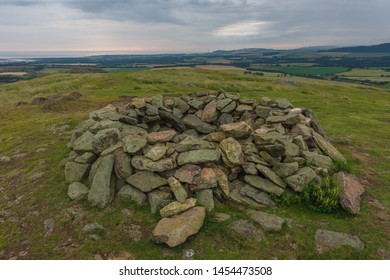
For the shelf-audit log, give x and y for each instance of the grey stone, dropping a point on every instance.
(87, 157)
(175, 231)
(350, 191)
(5, 159)
(105, 138)
(77, 191)
(205, 198)
(232, 152)
(301, 179)
(269, 174)
(143, 163)
(198, 156)
(284, 170)
(210, 113)
(268, 222)
(302, 130)
(102, 189)
(48, 227)
(133, 143)
(237, 130)
(263, 184)
(151, 110)
(173, 119)
(84, 142)
(122, 165)
(93, 227)
(225, 119)
(284, 103)
(192, 143)
(257, 196)
(327, 240)
(250, 168)
(195, 103)
(222, 103)
(76, 172)
(229, 108)
(132, 194)
(178, 189)
(194, 122)
(318, 160)
(158, 199)
(263, 112)
(155, 152)
(207, 179)
(264, 137)
(161, 136)
(176, 207)
(247, 230)
(289, 119)
(327, 148)
(146, 181)
(223, 181)
(188, 173)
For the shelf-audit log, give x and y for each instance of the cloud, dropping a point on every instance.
(246, 28)
(190, 25)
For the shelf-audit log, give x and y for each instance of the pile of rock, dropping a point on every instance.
(179, 153)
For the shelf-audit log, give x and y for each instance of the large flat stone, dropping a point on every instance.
(198, 156)
(267, 221)
(237, 130)
(175, 231)
(194, 122)
(263, 184)
(327, 240)
(143, 163)
(146, 181)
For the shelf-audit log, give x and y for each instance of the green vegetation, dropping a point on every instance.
(322, 198)
(359, 113)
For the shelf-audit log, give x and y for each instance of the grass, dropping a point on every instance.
(345, 110)
(313, 71)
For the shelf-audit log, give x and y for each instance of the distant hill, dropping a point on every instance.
(381, 48)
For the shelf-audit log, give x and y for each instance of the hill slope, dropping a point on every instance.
(38, 221)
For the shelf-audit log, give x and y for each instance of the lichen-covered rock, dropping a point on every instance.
(237, 130)
(176, 207)
(188, 173)
(301, 179)
(133, 194)
(146, 181)
(198, 156)
(76, 172)
(161, 136)
(175, 231)
(122, 166)
(205, 198)
(143, 163)
(350, 191)
(194, 122)
(133, 143)
(177, 189)
(326, 240)
(77, 191)
(102, 188)
(263, 185)
(232, 152)
(267, 221)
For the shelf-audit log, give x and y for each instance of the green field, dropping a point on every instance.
(375, 75)
(311, 71)
(32, 184)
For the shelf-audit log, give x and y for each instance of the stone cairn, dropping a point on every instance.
(179, 153)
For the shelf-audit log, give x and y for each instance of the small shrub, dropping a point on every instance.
(324, 198)
(346, 166)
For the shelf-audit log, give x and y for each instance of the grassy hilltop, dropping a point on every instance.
(32, 188)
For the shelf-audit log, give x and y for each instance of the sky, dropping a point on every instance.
(173, 26)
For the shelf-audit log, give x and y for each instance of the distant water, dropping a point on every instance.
(30, 55)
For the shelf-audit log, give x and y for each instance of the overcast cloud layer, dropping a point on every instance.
(189, 25)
